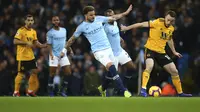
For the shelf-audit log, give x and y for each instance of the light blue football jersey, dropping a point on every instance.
(95, 33)
(113, 35)
(57, 38)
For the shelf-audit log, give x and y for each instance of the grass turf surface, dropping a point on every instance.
(99, 104)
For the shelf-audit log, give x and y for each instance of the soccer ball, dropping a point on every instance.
(154, 91)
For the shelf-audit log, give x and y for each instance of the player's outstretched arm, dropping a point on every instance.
(50, 50)
(19, 42)
(38, 44)
(136, 25)
(70, 42)
(68, 47)
(122, 41)
(171, 46)
(118, 16)
(70, 51)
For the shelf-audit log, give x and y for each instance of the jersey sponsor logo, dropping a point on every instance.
(94, 30)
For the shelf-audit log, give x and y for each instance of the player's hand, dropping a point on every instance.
(71, 53)
(62, 54)
(178, 54)
(29, 44)
(129, 9)
(43, 46)
(122, 42)
(51, 56)
(123, 28)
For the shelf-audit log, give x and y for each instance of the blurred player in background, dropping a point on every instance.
(92, 29)
(160, 33)
(121, 56)
(56, 39)
(25, 40)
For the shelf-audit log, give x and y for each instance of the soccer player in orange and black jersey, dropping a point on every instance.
(160, 33)
(25, 39)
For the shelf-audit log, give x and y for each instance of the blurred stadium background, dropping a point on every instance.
(84, 67)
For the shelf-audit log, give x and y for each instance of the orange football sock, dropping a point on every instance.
(18, 80)
(37, 84)
(33, 85)
(177, 83)
(145, 78)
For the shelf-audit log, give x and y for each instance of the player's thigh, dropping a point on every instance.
(53, 62)
(171, 68)
(64, 61)
(52, 70)
(130, 65)
(105, 57)
(149, 62)
(67, 69)
(149, 59)
(53, 65)
(124, 59)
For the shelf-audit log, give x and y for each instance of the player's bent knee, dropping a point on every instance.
(34, 71)
(174, 72)
(109, 65)
(130, 65)
(68, 72)
(149, 68)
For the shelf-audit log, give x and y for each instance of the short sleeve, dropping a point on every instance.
(103, 19)
(78, 31)
(49, 38)
(153, 23)
(35, 36)
(18, 35)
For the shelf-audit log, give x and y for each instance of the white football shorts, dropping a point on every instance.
(56, 61)
(122, 58)
(105, 56)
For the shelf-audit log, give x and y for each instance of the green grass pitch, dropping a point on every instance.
(99, 104)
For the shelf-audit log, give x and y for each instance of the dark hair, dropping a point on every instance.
(171, 13)
(107, 11)
(54, 16)
(87, 9)
(27, 16)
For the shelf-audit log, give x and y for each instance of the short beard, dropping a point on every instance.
(91, 21)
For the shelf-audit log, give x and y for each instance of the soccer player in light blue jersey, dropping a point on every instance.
(56, 39)
(121, 56)
(92, 29)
